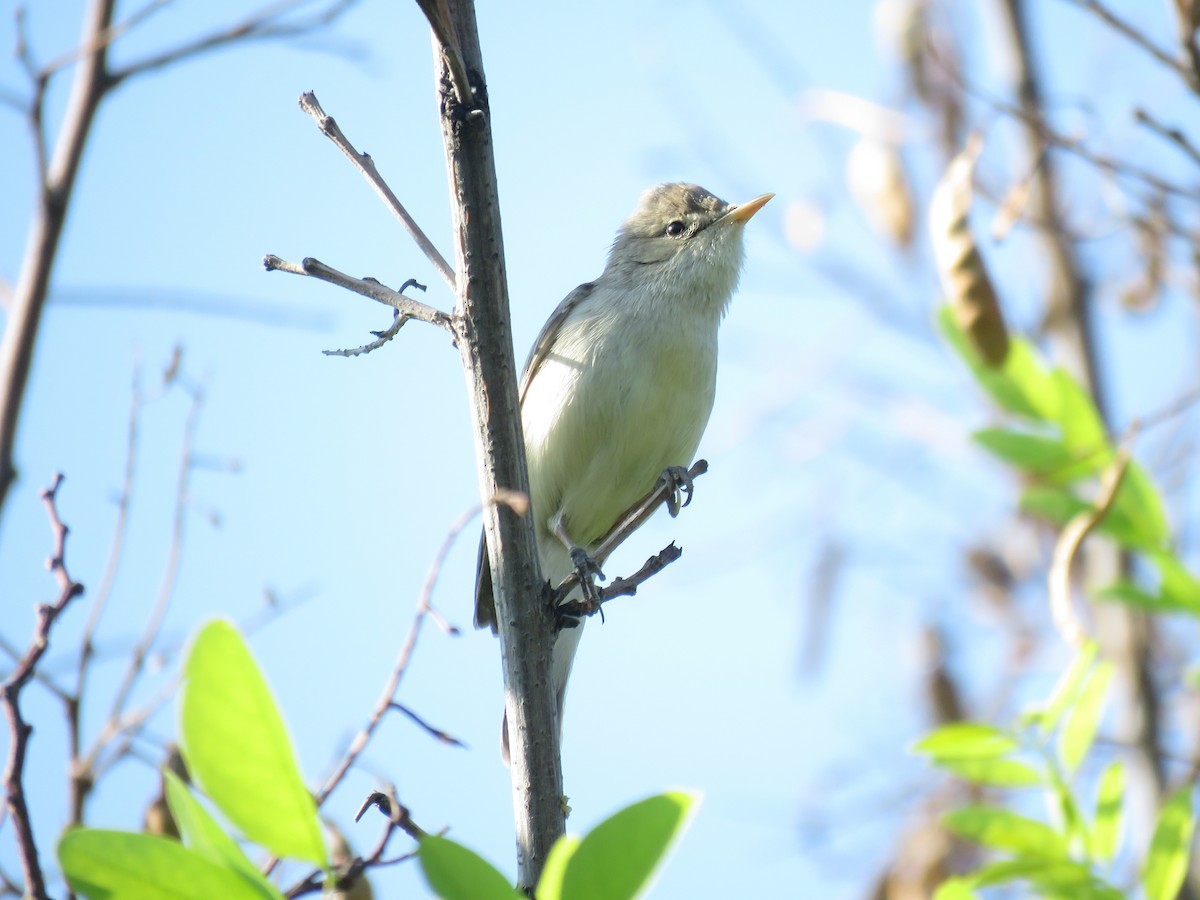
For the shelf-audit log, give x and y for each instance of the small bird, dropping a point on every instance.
(620, 384)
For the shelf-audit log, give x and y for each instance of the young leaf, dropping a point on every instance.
(1083, 718)
(617, 859)
(456, 873)
(1167, 861)
(1180, 589)
(965, 740)
(1004, 830)
(105, 864)
(202, 835)
(1106, 827)
(1020, 386)
(237, 748)
(1067, 687)
(1008, 773)
(1032, 452)
(550, 885)
(954, 889)
(1139, 501)
(1055, 878)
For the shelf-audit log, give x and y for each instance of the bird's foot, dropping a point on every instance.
(680, 485)
(571, 613)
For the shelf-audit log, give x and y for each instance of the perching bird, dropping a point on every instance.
(620, 382)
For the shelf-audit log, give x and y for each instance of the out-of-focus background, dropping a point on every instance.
(854, 570)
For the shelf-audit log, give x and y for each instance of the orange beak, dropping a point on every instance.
(746, 210)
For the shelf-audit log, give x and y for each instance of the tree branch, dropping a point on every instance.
(10, 692)
(527, 626)
(366, 165)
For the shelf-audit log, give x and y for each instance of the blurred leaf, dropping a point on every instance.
(1138, 500)
(456, 873)
(116, 864)
(237, 748)
(1067, 688)
(965, 740)
(1082, 428)
(1180, 589)
(1167, 861)
(202, 835)
(993, 772)
(1059, 506)
(955, 889)
(1062, 878)
(1074, 828)
(1083, 718)
(617, 859)
(1106, 827)
(1021, 386)
(550, 885)
(1002, 829)
(1032, 452)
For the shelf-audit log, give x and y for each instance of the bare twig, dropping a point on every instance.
(366, 165)
(1174, 135)
(367, 287)
(631, 522)
(1061, 607)
(621, 587)
(388, 696)
(433, 731)
(1136, 37)
(266, 24)
(10, 691)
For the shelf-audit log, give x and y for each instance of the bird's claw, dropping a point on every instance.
(680, 486)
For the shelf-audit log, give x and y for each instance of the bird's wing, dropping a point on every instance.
(485, 602)
(545, 338)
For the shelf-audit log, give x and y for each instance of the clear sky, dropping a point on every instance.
(833, 432)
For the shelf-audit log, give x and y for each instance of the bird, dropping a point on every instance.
(619, 385)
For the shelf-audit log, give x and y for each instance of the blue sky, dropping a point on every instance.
(830, 429)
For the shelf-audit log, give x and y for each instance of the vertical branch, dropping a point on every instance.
(10, 693)
(41, 247)
(524, 616)
(1071, 326)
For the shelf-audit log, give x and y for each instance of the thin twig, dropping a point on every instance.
(166, 589)
(1141, 40)
(631, 522)
(432, 730)
(366, 165)
(257, 27)
(10, 691)
(1061, 608)
(622, 587)
(1174, 135)
(367, 287)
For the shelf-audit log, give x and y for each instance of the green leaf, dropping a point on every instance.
(954, 889)
(237, 748)
(1180, 589)
(1059, 506)
(618, 858)
(456, 873)
(1167, 861)
(1076, 414)
(965, 740)
(1004, 830)
(118, 864)
(1031, 452)
(1083, 718)
(1106, 827)
(1021, 386)
(1067, 687)
(1059, 878)
(1139, 501)
(202, 835)
(1008, 773)
(550, 885)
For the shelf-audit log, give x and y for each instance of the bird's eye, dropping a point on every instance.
(675, 229)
